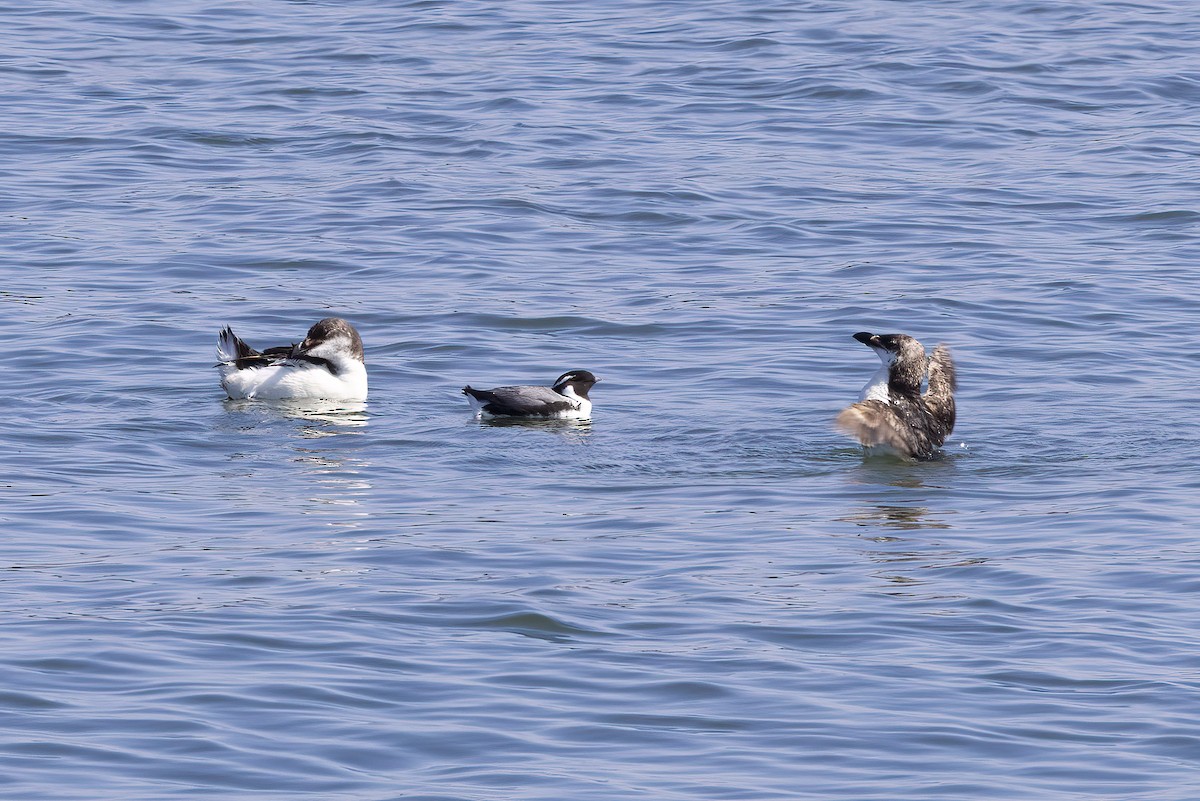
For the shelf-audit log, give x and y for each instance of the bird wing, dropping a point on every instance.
(939, 398)
(520, 400)
(874, 423)
(233, 351)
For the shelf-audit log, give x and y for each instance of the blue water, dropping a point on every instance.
(706, 592)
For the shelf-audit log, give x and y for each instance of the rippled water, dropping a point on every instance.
(706, 592)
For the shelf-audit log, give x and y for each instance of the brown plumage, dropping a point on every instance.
(893, 413)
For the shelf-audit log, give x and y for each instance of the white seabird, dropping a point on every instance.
(327, 365)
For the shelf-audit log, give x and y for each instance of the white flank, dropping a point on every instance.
(297, 381)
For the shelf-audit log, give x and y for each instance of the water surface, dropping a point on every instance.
(705, 592)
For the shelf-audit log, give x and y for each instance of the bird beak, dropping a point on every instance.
(299, 350)
(868, 339)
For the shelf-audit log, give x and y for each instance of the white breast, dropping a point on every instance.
(582, 410)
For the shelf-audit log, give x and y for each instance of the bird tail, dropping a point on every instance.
(231, 348)
(478, 398)
(943, 381)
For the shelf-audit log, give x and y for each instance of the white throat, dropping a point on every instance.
(581, 404)
(877, 387)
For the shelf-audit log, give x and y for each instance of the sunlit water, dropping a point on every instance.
(705, 592)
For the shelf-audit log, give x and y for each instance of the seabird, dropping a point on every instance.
(327, 365)
(893, 415)
(566, 400)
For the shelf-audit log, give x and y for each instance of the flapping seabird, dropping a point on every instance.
(893, 416)
(566, 400)
(328, 365)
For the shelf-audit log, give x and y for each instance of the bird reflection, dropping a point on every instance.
(337, 481)
(903, 518)
(337, 476)
(883, 479)
(335, 416)
(571, 430)
(326, 475)
(348, 414)
(904, 560)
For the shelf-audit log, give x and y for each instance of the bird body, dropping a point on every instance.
(893, 415)
(566, 400)
(327, 365)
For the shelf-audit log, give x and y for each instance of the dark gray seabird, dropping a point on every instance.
(893, 416)
(566, 400)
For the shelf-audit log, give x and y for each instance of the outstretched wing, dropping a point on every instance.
(873, 423)
(939, 398)
(519, 401)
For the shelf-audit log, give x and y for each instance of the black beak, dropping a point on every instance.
(298, 350)
(867, 338)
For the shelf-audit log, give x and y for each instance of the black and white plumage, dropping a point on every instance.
(327, 365)
(893, 415)
(566, 400)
